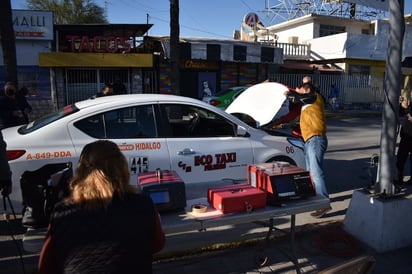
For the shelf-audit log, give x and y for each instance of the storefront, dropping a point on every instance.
(84, 58)
(208, 66)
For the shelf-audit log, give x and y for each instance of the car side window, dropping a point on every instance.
(125, 123)
(131, 122)
(92, 126)
(193, 121)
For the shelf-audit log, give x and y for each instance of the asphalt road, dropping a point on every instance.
(352, 141)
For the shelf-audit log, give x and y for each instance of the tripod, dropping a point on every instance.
(6, 199)
(6, 215)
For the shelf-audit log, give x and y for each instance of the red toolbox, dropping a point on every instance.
(237, 198)
(165, 187)
(233, 187)
(281, 181)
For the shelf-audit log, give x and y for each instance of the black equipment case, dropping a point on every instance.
(165, 187)
(281, 181)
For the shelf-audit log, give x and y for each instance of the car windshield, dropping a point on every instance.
(50, 118)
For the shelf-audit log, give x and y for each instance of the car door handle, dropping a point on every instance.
(186, 151)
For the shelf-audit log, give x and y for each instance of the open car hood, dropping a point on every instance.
(261, 102)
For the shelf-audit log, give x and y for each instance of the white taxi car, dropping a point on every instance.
(200, 142)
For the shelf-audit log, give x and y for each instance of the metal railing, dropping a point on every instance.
(294, 51)
(354, 89)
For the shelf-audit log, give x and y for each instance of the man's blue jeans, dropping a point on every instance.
(315, 149)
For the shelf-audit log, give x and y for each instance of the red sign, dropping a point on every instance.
(99, 44)
(251, 19)
(29, 34)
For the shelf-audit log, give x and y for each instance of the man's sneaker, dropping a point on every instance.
(319, 213)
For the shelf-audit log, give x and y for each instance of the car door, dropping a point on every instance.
(134, 129)
(203, 145)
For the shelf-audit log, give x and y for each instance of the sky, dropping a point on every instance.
(207, 18)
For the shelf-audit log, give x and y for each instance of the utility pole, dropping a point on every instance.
(174, 46)
(392, 88)
(8, 42)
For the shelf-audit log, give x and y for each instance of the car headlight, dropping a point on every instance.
(296, 142)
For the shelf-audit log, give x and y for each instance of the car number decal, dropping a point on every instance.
(48, 155)
(290, 150)
(139, 164)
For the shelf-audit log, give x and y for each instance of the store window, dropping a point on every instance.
(239, 53)
(213, 52)
(185, 51)
(326, 30)
(267, 55)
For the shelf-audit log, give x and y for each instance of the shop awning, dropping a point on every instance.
(68, 59)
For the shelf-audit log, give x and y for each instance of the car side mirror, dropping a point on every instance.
(241, 131)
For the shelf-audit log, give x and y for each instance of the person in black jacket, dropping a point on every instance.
(24, 106)
(104, 226)
(119, 87)
(10, 113)
(405, 143)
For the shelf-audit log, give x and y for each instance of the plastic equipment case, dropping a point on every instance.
(165, 187)
(281, 181)
(236, 198)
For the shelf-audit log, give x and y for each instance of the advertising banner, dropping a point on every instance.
(33, 24)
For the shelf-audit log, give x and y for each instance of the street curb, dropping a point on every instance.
(351, 114)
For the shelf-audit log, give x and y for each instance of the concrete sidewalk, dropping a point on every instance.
(320, 244)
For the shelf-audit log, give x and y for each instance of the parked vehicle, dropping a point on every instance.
(200, 142)
(224, 98)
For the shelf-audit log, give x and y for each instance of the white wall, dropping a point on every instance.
(351, 44)
(304, 32)
(346, 45)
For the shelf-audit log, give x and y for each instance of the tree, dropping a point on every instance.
(71, 11)
(8, 43)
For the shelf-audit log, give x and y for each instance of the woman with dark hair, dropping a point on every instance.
(104, 226)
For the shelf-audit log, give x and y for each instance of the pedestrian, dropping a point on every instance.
(10, 112)
(306, 79)
(405, 143)
(104, 226)
(5, 172)
(25, 107)
(334, 97)
(313, 128)
(119, 87)
(107, 90)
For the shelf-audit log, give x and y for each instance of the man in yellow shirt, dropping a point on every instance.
(313, 129)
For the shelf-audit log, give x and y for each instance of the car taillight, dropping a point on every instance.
(214, 102)
(15, 154)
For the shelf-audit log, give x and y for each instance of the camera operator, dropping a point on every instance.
(5, 173)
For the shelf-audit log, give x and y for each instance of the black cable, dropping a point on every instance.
(6, 216)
